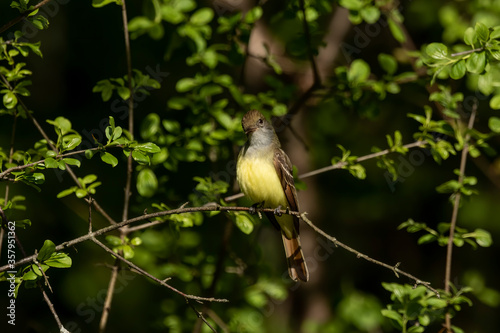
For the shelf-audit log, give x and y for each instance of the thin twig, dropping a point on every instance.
(219, 268)
(215, 207)
(454, 215)
(128, 182)
(144, 226)
(358, 254)
(109, 296)
(47, 283)
(23, 15)
(52, 309)
(340, 165)
(218, 320)
(479, 49)
(307, 34)
(162, 282)
(200, 316)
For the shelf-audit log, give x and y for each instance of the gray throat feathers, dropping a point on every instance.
(261, 141)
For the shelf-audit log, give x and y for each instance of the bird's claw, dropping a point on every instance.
(253, 208)
(277, 211)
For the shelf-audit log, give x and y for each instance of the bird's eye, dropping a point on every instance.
(260, 121)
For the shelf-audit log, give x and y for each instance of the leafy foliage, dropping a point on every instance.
(221, 62)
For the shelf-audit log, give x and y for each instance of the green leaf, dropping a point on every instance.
(370, 14)
(391, 314)
(72, 161)
(185, 84)
(136, 241)
(113, 240)
(102, 3)
(46, 251)
(89, 179)
(123, 92)
(470, 36)
(140, 157)
(67, 192)
(458, 70)
(253, 15)
(148, 147)
(358, 72)
(81, 193)
(9, 100)
(495, 102)
(426, 239)
(450, 186)
(59, 260)
(396, 31)
(494, 123)
(50, 163)
(483, 237)
(117, 133)
(150, 126)
(352, 4)
(108, 158)
(147, 183)
(202, 16)
(72, 141)
(244, 223)
(482, 31)
(476, 62)
(437, 51)
(388, 63)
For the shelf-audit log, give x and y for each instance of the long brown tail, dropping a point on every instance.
(297, 267)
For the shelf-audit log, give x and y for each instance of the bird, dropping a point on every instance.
(264, 174)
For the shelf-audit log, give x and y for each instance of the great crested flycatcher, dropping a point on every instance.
(264, 173)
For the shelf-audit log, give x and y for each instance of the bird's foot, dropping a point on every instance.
(277, 211)
(253, 208)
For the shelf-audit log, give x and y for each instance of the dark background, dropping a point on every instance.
(84, 45)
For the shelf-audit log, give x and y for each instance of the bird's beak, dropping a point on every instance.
(250, 130)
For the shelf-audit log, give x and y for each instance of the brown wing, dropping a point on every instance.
(284, 170)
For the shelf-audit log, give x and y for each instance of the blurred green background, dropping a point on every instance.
(84, 45)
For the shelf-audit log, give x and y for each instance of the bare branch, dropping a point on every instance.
(358, 254)
(47, 283)
(109, 296)
(23, 15)
(339, 165)
(52, 309)
(454, 215)
(214, 207)
(130, 110)
(163, 283)
(314, 67)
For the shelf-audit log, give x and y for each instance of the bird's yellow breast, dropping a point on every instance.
(259, 181)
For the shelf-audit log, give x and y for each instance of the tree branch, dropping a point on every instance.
(339, 165)
(109, 296)
(314, 67)
(358, 254)
(128, 182)
(52, 309)
(92, 236)
(163, 283)
(23, 16)
(130, 110)
(454, 215)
